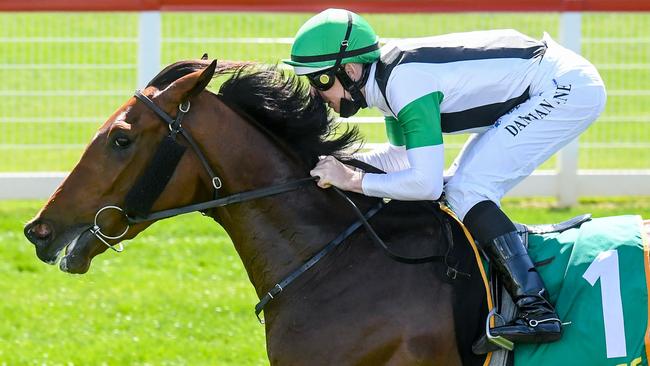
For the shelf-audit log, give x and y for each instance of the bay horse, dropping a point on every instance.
(356, 306)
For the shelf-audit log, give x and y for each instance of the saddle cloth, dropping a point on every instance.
(597, 275)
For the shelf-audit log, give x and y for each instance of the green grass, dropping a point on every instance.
(63, 24)
(86, 106)
(178, 295)
(31, 80)
(71, 53)
(178, 27)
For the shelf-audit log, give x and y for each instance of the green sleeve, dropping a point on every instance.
(419, 121)
(394, 131)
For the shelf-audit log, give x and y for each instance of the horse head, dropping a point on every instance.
(263, 127)
(108, 169)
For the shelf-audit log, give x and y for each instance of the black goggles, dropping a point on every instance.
(322, 80)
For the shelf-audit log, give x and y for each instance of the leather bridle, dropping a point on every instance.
(137, 209)
(175, 128)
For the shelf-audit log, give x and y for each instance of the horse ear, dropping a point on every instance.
(204, 57)
(203, 80)
(189, 85)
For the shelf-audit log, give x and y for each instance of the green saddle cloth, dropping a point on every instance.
(598, 281)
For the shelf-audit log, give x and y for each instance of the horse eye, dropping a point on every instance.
(122, 142)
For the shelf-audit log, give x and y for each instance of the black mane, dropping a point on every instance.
(279, 102)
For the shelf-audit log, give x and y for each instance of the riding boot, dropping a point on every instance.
(536, 320)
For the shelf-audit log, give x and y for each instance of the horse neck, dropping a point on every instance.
(272, 235)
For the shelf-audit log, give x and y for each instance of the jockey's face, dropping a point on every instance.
(333, 95)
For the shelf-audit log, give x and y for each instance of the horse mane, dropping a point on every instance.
(276, 100)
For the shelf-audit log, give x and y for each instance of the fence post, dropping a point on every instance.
(149, 44)
(567, 162)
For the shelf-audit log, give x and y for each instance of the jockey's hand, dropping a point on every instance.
(331, 172)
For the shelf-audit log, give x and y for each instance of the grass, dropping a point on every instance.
(177, 296)
(189, 35)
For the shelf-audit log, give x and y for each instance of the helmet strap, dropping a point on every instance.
(349, 107)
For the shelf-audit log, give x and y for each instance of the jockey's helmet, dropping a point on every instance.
(330, 39)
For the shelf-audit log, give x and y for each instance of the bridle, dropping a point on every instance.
(137, 210)
(175, 127)
(143, 194)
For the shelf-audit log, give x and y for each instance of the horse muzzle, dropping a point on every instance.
(39, 232)
(50, 242)
(48, 239)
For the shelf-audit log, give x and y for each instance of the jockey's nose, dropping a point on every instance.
(38, 232)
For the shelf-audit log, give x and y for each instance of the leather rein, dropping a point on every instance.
(175, 127)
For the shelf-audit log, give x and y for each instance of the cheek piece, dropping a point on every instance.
(155, 177)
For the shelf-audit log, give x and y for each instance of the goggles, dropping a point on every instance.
(322, 80)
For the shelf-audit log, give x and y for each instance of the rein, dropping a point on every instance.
(142, 215)
(363, 220)
(224, 201)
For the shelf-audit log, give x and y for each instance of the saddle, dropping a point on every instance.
(504, 308)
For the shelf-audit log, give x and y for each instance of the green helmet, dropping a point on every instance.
(320, 42)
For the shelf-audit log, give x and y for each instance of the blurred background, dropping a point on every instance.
(179, 295)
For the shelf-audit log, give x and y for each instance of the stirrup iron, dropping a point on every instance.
(497, 340)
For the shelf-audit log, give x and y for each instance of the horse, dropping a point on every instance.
(356, 306)
(241, 156)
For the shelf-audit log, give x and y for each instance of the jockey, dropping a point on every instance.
(522, 99)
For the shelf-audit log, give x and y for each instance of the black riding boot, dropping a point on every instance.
(536, 320)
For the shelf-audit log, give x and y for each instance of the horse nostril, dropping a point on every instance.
(38, 232)
(42, 230)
